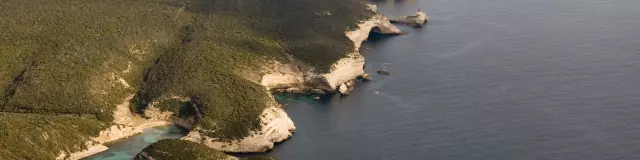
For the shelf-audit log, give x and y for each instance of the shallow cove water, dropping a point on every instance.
(488, 79)
(129, 147)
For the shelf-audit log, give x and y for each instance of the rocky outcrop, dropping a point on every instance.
(365, 77)
(382, 71)
(347, 87)
(276, 127)
(416, 20)
(298, 78)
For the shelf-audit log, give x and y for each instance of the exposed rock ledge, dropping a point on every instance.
(276, 127)
(416, 20)
(293, 78)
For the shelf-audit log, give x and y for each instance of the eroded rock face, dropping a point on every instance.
(288, 77)
(350, 67)
(276, 127)
(416, 20)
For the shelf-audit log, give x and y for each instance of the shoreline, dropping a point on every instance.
(345, 70)
(298, 78)
(126, 125)
(93, 149)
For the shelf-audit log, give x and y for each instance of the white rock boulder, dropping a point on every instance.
(416, 20)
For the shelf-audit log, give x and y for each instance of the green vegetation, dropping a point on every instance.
(59, 65)
(227, 35)
(33, 137)
(203, 67)
(65, 64)
(302, 26)
(171, 149)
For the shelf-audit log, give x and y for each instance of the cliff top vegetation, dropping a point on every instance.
(65, 64)
(169, 149)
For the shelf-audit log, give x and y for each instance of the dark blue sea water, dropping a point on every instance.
(488, 80)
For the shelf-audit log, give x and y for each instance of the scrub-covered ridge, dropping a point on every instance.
(66, 65)
(169, 149)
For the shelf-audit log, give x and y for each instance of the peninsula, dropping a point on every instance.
(77, 74)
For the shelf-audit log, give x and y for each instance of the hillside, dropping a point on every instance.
(66, 64)
(178, 149)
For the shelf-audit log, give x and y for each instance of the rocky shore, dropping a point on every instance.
(275, 125)
(298, 78)
(416, 20)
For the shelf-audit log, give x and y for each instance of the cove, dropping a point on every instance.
(129, 147)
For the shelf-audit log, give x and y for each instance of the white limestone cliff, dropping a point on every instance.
(416, 20)
(291, 78)
(276, 127)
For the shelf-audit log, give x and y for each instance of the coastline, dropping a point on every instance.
(95, 147)
(276, 126)
(126, 125)
(299, 78)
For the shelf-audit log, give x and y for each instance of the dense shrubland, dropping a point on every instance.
(179, 149)
(65, 64)
(170, 149)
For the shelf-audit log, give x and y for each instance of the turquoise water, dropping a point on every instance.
(127, 148)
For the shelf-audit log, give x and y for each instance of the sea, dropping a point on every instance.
(487, 80)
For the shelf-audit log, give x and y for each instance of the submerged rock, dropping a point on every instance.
(365, 77)
(416, 20)
(382, 71)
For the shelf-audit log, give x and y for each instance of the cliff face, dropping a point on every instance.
(275, 127)
(352, 65)
(416, 20)
(63, 71)
(294, 78)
